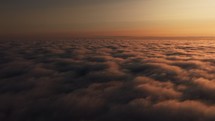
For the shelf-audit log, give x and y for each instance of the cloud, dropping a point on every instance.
(102, 80)
(155, 89)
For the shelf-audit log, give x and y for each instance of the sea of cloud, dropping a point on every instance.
(107, 80)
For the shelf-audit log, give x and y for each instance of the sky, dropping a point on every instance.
(67, 18)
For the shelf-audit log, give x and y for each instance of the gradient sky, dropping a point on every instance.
(108, 17)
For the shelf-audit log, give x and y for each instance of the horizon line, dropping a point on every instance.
(104, 37)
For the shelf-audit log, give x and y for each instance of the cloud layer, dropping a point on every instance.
(103, 80)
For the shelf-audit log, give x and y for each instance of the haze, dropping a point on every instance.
(109, 18)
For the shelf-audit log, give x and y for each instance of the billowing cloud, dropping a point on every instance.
(103, 80)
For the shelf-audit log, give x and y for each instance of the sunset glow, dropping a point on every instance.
(107, 60)
(113, 17)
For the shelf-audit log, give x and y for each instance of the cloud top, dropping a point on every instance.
(103, 80)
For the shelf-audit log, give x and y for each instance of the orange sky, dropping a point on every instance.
(107, 18)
